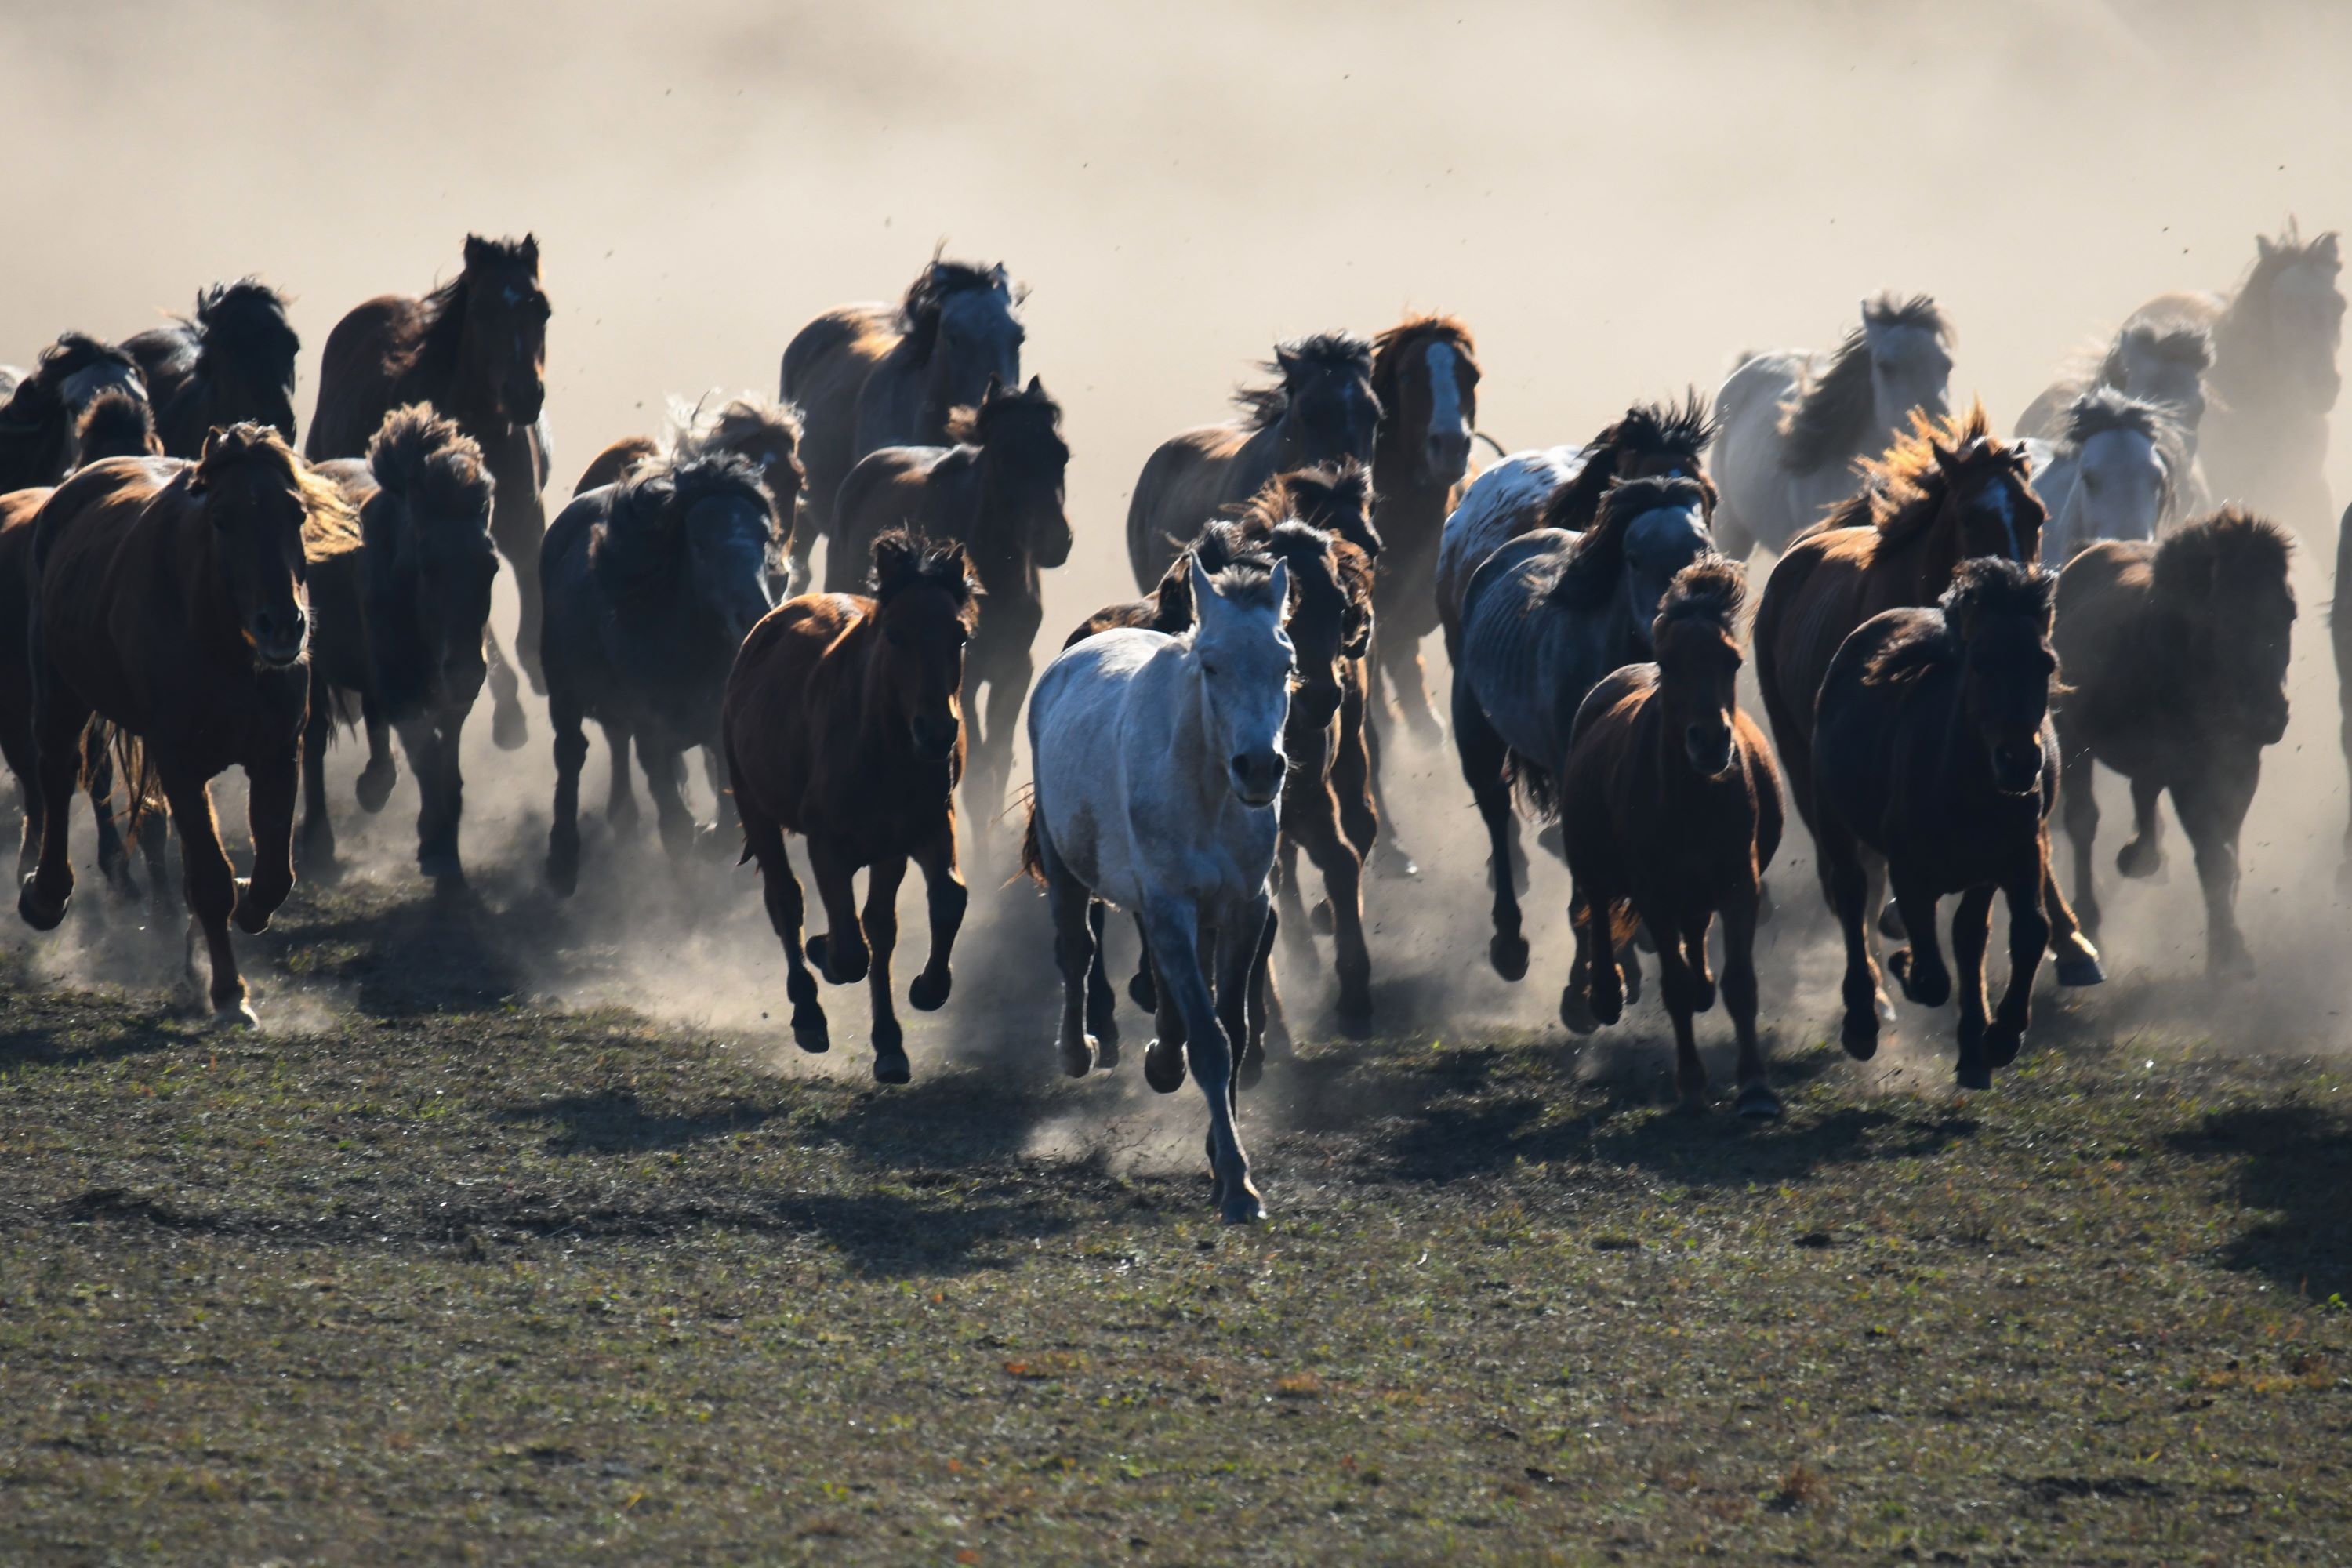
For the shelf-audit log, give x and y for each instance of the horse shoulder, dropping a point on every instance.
(846, 341)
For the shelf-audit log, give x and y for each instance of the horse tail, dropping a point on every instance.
(1532, 785)
(1032, 853)
(136, 769)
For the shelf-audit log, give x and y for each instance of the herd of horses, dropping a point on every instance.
(1954, 621)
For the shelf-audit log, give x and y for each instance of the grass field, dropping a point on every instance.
(430, 1273)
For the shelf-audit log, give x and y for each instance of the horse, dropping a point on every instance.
(2175, 658)
(2154, 365)
(1934, 752)
(400, 594)
(38, 421)
(2273, 380)
(1670, 810)
(1319, 409)
(1158, 765)
(167, 602)
(476, 349)
(1544, 618)
(1793, 424)
(231, 363)
(1425, 383)
(842, 722)
(998, 491)
(760, 429)
(2117, 470)
(873, 375)
(652, 585)
(1947, 491)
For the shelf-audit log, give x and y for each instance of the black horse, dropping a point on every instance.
(38, 423)
(231, 363)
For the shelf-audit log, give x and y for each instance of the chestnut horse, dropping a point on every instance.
(998, 491)
(1425, 381)
(841, 723)
(1319, 409)
(1947, 491)
(1670, 809)
(476, 349)
(2175, 656)
(168, 601)
(231, 362)
(1934, 753)
(868, 376)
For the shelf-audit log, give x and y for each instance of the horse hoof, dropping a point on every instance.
(2002, 1045)
(375, 788)
(509, 731)
(1576, 1012)
(1163, 1067)
(1078, 1057)
(928, 997)
(1251, 1071)
(1758, 1103)
(38, 912)
(1107, 1051)
(441, 866)
(1508, 955)
(2077, 969)
(1860, 1035)
(2139, 860)
(249, 918)
(892, 1067)
(1241, 1205)
(1885, 1008)
(1354, 1019)
(820, 953)
(1976, 1074)
(1141, 992)
(563, 870)
(236, 1015)
(1320, 919)
(811, 1035)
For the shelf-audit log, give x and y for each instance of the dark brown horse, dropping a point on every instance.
(869, 376)
(1318, 410)
(39, 419)
(1670, 810)
(764, 432)
(843, 724)
(476, 349)
(168, 601)
(1934, 753)
(998, 491)
(1425, 380)
(231, 363)
(1947, 492)
(400, 596)
(2175, 658)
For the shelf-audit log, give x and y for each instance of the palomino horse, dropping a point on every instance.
(2273, 380)
(1159, 763)
(652, 585)
(402, 598)
(1671, 809)
(2175, 658)
(2116, 470)
(167, 602)
(231, 362)
(1425, 381)
(476, 349)
(1319, 409)
(841, 725)
(997, 492)
(1544, 618)
(1794, 424)
(868, 376)
(1934, 753)
(758, 429)
(38, 421)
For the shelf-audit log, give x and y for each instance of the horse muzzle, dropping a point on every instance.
(1446, 456)
(278, 637)
(2016, 770)
(522, 405)
(1257, 776)
(935, 738)
(1710, 755)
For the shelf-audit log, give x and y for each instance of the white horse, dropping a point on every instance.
(1501, 504)
(1793, 424)
(1157, 764)
(2117, 470)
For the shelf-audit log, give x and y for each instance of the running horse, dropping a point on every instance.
(1425, 380)
(230, 362)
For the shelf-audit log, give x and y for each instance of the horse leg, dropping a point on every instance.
(25, 765)
(2213, 809)
(2077, 957)
(1163, 1057)
(2078, 799)
(1919, 968)
(376, 779)
(517, 525)
(1848, 884)
(1685, 994)
(1143, 985)
(1757, 1101)
(1482, 755)
(782, 892)
(98, 784)
(620, 795)
(1972, 931)
(1077, 928)
(881, 926)
(509, 728)
(1269, 1028)
(1408, 678)
(210, 883)
(571, 754)
(432, 759)
(2142, 853)
(945, 898)
(1008, 688)
(1175, 930)
(1343, 883)
(839, 953)
(2029, 935)
(1584, 996)
(58, 720)
(1393, 861)
(1351, 775)
(1102, 1001)
(314, 851)
(272, 784)
(665, 787)
(1286, 895)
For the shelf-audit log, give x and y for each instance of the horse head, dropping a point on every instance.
(254, 497)
(2165, 365)
(926, 605)
(430, 559)
(248, 349)
(1910, 361)
(1336, 499)
(2126, 455)
(1697, 635)
(2222, 587)
(1999, 610)
(962, 324)
(1424, 379)
(2294, 280)
(1243, 658)
(117, 423)
(1023, 464)
(1661, 527)
(505, 332)
(1321, 401)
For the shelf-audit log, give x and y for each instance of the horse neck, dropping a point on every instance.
(441, 375)
(996, 538)
(883, 750)
(1925, 561)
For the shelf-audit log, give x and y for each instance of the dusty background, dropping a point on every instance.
(1615, 203)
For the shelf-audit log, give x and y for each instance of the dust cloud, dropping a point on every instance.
(1616, 199)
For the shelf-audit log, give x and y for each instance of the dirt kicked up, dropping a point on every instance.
(432, 1274)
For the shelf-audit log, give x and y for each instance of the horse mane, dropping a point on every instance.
(322, 501)
(1710, 591)
(1597, 558)
(1247, 582)
(431, 466)
(1390, 348)
(1829, 414)
(1031, 411)
(117, 423)
(1984, 585)
(2190, 347)
(938, 282)
(1647, 430)
(634, 543)
(1907, 484)
(745, 420)
(1264, 407)
(903, 559)
(2275, 256)
(73, 353)
(2231, 542)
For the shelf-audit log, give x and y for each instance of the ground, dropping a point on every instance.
(434, 1272)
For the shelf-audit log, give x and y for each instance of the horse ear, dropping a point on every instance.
(1281, 584)
(894, 557)
(1286, 363)
(2264, 249)
(1946, 458)
(2324, 248)
(1036, 387)
(1202, 588)
(995, 391)
(530, 251)
(477, 250)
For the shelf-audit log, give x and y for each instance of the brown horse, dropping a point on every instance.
(758, 429)
(843, 724)
(1948, 492)
(168, 601)
(42, 412)
(476, 349)
(1425, 380)
(1670, 809)
(869, 376)
(1319, 409)
(1934, 752)
(2175, 657)
(998, 491)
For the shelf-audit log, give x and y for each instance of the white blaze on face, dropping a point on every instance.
(1997, 503)
(1444, 388)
